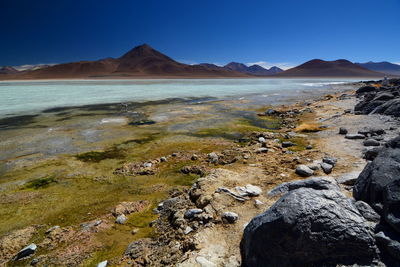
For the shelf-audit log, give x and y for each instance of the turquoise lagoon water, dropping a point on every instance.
(24, 97)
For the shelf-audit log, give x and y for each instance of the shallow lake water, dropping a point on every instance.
(25, 97)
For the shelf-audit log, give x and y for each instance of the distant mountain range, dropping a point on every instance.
(384, 67)
(256, 70)
(145, 62)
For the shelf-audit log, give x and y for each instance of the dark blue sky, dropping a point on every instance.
(216, 31)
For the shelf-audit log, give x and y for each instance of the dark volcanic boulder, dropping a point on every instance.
(377, 183)
(308, 227)
(366, 89)
(391, 107)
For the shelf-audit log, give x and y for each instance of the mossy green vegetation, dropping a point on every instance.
(39, 183)
(97, 156)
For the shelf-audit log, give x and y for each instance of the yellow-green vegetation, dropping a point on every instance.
(68, 190)
(235, 129)
(40, 183)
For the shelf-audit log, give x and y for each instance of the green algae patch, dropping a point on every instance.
(40, 183)
(97, 156)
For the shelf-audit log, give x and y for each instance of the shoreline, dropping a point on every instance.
(238, 160)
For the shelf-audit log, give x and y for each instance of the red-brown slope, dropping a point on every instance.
(322, 68)
(141, 61)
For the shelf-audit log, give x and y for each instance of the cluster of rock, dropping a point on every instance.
(381, 99)
(315, 224)
(327, 164)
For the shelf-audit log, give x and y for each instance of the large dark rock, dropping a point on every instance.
(365, 89)
(391, 107)
(309, 227)
(378, 183)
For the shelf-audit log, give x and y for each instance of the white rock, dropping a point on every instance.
(102, 264)
(204, 262)
(147, 165)
(121, 219)
(249, 190)
(261, 140)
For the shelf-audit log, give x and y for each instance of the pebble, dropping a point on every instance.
(258, 203)
(102, 264)
(26, 251)
(213, 157)
(304, 171)
(188, 230)
(249, 190)
(194, 157)
(174, 154)
(121, 219)
(371, 142)
(190, 213)
(203, 262)
(343, 131)
(229, 217)
(262, 150)
(330, 160)
(34, 261)
(147, 165)
(261, 140)
(163, 159)
(354, 136)
(309, 147)
(327, 168)
(288, 144)
(51, 229)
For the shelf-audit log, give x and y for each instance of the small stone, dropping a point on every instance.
(147, 165)
(213, 157)
(354, 136)
(258, 203)
(371, 142)
(51, 229)
(348, 179)
(163, 159)
(314, 166)
(343, 131)
(288, 144)
(262, 150)
(34, 261)
(304, 171)
(270, 112)
(190, 213)
(249, 190)
(327, 168)
(174, 154)
(188, 230)
(309, 147)
(194, 157)
(134, 231)
(229, 217)
(26, 251)
(203, 262)
(261, 140)
(102, 264)
(121, 219)
(330, 160)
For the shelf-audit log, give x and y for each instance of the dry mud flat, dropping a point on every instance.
(201, 225)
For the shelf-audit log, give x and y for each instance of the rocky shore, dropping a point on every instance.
(319, 190)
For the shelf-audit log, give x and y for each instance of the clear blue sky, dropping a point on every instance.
(216, 31)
